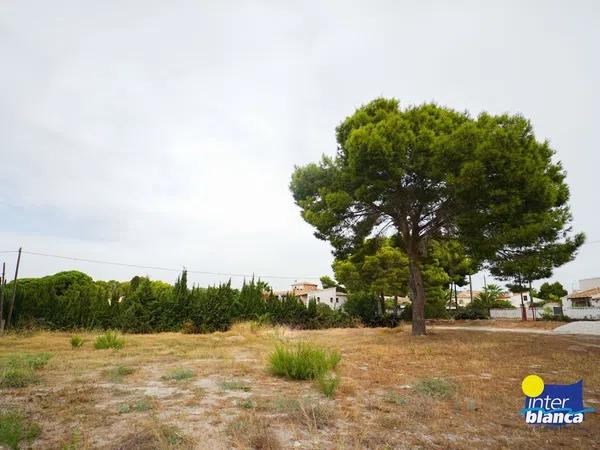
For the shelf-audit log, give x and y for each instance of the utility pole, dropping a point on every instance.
(2, 285)
(471, 288)
(14, 293)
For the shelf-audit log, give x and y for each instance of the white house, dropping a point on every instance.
(331, 297)
(584, 303)
(515, 299)
(464, 298)
(305, 291)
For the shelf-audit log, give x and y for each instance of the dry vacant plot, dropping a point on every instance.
(451, 389)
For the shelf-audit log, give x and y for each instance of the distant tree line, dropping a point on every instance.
(73, 300)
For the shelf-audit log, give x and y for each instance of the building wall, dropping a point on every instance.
(497, 313)
(582, 313)
(515, 299)
(330, 297)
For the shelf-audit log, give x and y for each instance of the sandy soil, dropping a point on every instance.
(232, 401)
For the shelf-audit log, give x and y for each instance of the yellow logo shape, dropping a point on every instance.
(532, 385)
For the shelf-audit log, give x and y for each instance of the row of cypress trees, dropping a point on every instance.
(73, 300)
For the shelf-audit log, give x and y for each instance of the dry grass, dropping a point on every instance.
(451, 389)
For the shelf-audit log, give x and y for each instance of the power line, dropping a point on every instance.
(167, 269)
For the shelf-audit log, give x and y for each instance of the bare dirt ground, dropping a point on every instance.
(228, 399)
(501, 323)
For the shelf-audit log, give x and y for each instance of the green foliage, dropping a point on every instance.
(246, 404)
(489, 296)
(235, 385)
(76, 342)
(178, 374)
(421, 172)
(435, 387)
(552, 292)
(33, 361)
(213, 309)
(15, 430)
(302, 361)
(117, 373)
(377, 267)
(395, 398)
(20, 369)
(17, 377)
(362, 304)
(110, 339)
(123, 408)
(471, 312)
(138, 406)
(328, 384)
(328, 282)
(144, 306)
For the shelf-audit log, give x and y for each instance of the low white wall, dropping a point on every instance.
(501, 313)
(582, 313)
(571, 313)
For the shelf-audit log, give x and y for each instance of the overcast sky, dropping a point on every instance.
(165, 133)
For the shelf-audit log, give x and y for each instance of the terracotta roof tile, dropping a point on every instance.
(586, 293)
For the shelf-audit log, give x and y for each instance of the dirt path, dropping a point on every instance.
(578, 328)
(493, 329)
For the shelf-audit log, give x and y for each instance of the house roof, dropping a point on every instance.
(588, 293)
(304, 283)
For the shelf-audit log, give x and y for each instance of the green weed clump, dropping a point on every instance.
(394, 397)
(76, 341)
(303, 361)
(178, 375)
(116, 374)
(328, 384)
(20, 369)
(17, 377)
(14, 430)
(110, 339)
(235, 385)
(33, 361)
(435, 387)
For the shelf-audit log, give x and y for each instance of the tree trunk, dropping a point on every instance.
(395, 306)
(418, 295)
(379, 311)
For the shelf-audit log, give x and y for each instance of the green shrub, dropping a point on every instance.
(328, 384)
(17, 377)
(178, 375)
(33, 361)
(303, 361)
(110, 339)
(234, 385)
(394, 397)
(246, 404)
(554, 317)
(142, 405)
(117, 373)
(435, 387)
(122, 370)
(76, 342)
(20, 369)
(14, 430)
(123, 408)
(471, 312)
